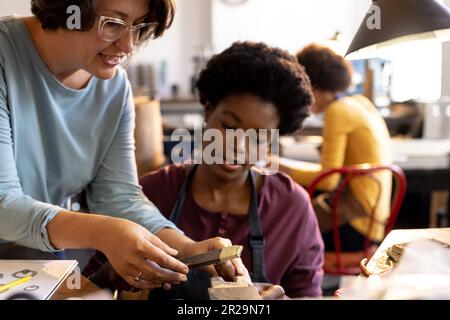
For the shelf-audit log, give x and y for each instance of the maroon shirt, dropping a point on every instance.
(293, 251)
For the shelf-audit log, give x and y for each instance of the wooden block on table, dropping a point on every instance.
(238, 289)
(239, 282)
(241, 293)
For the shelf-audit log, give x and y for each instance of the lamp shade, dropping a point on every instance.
(390, 22)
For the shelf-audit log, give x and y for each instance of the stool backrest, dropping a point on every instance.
(347, 174)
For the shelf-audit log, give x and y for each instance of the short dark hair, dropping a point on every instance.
(326, 69)
(53, 14)
(270, 73)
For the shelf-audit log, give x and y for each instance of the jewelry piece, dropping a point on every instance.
(138, 278)
(367, 273)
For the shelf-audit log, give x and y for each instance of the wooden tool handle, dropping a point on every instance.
(213, 257)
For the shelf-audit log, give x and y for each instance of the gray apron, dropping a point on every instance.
(256, 236)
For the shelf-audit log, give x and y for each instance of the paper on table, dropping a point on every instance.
(47, 275)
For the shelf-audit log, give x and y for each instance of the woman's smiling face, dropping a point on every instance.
(99, 57)
(241, 111)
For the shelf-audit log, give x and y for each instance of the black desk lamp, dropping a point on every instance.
(391, 22)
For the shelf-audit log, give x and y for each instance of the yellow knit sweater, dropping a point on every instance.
(355, 133)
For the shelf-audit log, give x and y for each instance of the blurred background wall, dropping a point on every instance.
(204, 27)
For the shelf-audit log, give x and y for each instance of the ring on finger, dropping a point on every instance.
(138, 277)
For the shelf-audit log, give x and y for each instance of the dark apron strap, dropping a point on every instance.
(177, 208)
(256, 236)
(258, 273)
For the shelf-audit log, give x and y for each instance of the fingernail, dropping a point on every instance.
(183, 278)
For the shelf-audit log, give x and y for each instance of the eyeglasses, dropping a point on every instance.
(112, 29)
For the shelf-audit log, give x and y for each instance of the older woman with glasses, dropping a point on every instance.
(66, 124)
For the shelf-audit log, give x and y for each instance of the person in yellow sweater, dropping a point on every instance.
(354, 133)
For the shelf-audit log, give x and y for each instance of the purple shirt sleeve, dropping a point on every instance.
(294, 246)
